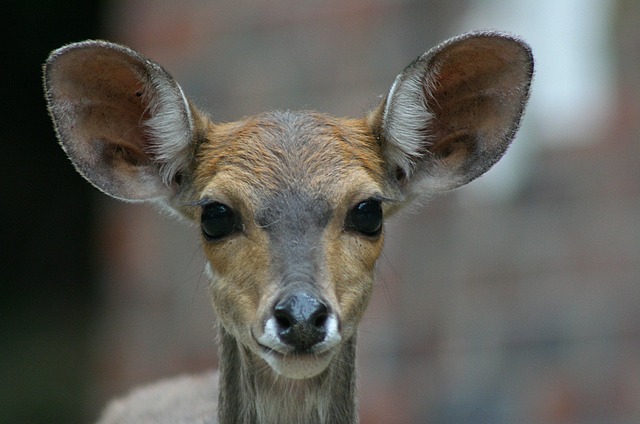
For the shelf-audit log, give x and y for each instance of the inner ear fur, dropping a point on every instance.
(452, 113)
(121, 118)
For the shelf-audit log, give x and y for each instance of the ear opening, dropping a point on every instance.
(121, 118)
(451, 114)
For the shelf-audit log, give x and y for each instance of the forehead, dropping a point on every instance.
(277, 156)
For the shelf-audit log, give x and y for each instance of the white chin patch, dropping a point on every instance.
(298, 366)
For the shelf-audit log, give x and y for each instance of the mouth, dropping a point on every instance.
(297, 365)
(288, 362)
(292, 353)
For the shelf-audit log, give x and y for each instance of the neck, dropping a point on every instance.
(251, 393)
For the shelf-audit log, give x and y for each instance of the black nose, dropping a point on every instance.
(301, 320)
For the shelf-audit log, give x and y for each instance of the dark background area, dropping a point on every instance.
(47, 289)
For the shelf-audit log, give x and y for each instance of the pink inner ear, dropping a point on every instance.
(477, 91)
(104, 93)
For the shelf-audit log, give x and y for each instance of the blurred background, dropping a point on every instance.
(513, 300)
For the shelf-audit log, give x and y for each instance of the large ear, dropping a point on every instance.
(122, 120)
(452, 113)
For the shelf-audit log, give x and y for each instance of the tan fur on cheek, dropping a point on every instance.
(240, 279)
(351, 260)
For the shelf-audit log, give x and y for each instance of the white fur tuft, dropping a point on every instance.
(170, 127)
(406, 119)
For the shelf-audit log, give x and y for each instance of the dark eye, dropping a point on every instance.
(366, 218)
(218, 220)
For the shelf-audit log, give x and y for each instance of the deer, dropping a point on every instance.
(291, 207)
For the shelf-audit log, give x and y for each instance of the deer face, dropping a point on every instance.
(291, 212)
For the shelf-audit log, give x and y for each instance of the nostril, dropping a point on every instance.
(321, 320)
(282, 320)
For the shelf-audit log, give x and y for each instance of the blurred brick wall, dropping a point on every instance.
(519, 309)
